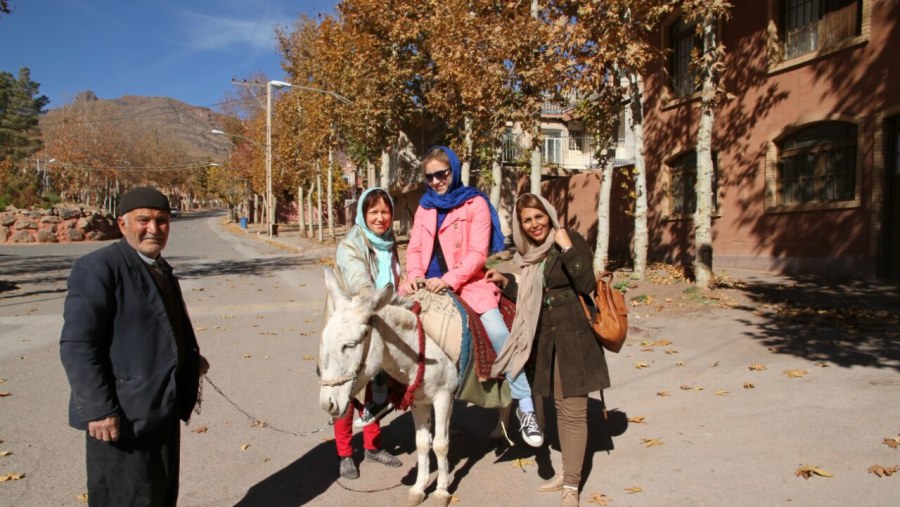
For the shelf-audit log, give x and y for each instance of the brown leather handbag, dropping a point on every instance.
(610, 320)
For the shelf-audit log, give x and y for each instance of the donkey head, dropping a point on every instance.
(345, 362)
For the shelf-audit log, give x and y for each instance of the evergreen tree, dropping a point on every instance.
(20, 106)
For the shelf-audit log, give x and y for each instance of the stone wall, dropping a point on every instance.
(57, 225)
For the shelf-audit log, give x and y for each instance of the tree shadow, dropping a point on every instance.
(846, 322)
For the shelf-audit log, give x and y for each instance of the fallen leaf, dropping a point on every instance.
(637, 419)
(247, 356)
(881, 471)
(652, 442)
(12, 476)
(308, 358)
(757, 367)
(2, 380)
(640, 364)
(679, 363)
(83, 498)
(797, 373)
(4, 394)
(721, 392)
(266, 357)
(454, 499)
(266, 460)
(807, 471)
(822, 365)
(599, 499)
(749, 385)
(715, 364)
(671, 351)
(259, 424)
(244, 447)
(647, 349)
(663, 394)
(521, 463)
(691, 388)
(634, 489)
(199, 329)
(201, 429)
(4, 454)
(893, 443)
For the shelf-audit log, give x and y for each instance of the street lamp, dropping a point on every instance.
(270, 216)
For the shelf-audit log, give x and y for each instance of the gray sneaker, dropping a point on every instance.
(348, 468)
(383, 457)
(531, 433)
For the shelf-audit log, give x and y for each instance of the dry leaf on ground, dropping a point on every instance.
(259, 424)
(83, 498)
(757, 367)
(4, 394)
(893, 443)
(599, 499)
(640, 364)
(308, 358)
(748, 385)
(2, 380)
(634, 489)
(651, 442)
(721, 392)
(454, 499)
(690, 388)
(4, 454)
(244, 447)
(12, 476)
(201, 429)
(881, 471)
(807, 471)
(247, 356)
(679, 363)
(663, 394)
(796, 373)
(636, 419)
(521, 463)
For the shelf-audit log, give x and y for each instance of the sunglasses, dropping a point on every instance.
(439, 175)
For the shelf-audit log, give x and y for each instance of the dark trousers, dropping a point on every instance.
(134, 472)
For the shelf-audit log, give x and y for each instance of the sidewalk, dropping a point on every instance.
(720, 398)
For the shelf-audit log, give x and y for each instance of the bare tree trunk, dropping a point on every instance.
(496, 177)
(601, 253)
(635, 122)
(319, 198)
(301, 212)
(535, 186)
(309, 205)
(466, 169)
(330, 200)
(370, 174)
(385, 180)
(703, 247)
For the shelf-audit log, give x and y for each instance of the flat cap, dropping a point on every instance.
(143, 197)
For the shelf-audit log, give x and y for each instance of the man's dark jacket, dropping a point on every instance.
(119, 349)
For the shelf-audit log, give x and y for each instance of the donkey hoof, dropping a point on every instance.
(441, 498)
(415, 498)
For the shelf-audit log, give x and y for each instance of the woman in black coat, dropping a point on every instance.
(551, 329)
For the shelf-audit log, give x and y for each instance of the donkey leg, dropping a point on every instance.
(421, 413)
(443, 406)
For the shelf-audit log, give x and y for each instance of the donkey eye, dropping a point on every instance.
(347, 346)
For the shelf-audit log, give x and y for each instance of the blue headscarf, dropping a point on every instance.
(456, 194)
(384, 244)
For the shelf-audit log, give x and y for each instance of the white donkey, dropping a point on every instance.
(368, 332)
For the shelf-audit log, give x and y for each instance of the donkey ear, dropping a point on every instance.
(383, 296)
(334, 286)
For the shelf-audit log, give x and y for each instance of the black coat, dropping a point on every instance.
(563, 328)
(119, 349)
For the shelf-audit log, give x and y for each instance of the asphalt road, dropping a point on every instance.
(698, 436)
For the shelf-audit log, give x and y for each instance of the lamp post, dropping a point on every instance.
(270, 204)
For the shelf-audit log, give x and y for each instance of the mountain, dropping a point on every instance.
(187, 125)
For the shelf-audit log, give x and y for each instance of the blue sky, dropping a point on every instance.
(188, 50)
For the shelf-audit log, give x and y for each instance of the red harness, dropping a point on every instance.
(420, 370)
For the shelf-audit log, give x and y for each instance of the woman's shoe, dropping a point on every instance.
(552, 484)
(383, 457)
(569, 497)
(348, 468)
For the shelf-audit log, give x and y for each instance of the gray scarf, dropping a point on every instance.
(515, 353)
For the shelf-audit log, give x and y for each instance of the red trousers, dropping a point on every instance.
(343, 433)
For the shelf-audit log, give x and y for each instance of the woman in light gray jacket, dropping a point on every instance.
(367, 260)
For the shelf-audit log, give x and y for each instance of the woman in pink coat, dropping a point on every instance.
(454, 230)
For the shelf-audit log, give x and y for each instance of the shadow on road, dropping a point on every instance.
(846, 322)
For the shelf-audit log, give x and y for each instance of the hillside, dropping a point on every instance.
(188, 125)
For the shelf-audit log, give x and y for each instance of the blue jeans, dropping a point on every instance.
(497, 333)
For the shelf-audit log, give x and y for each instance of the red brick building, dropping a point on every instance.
(806, 154)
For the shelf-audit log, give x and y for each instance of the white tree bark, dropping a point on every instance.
(319, 199)
(601, 252)
(496, 177)
(301, 211)
(330, 200)
(385, 180)
(635, 122)
(703, 247)
(466, 168)
(309, 203)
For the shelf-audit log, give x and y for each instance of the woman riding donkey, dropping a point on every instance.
(454, 230)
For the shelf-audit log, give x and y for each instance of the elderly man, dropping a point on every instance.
(132, 359)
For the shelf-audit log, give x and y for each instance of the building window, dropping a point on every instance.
(683, 183)
(510, 147)
(810, 25)
(579, 142)
(551, 146)
(684, 44)
(817, 164)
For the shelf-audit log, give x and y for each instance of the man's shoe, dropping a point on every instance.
(569, 497)
(348, 468)
(372, 413)
(383, 457)
(531, 433)
(552, 484)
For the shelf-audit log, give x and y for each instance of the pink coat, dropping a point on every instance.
(465, 238)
